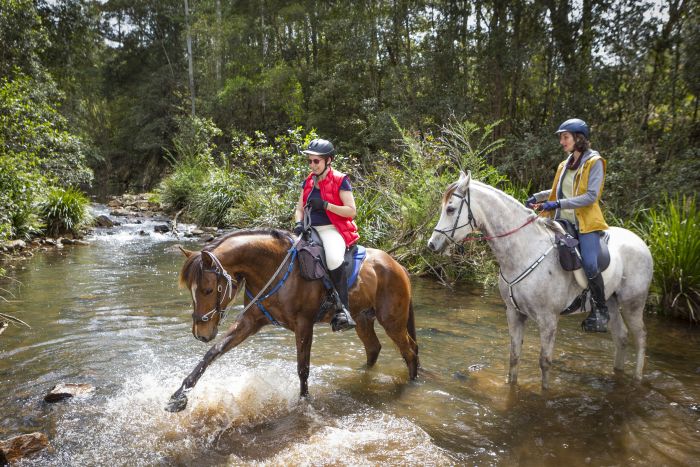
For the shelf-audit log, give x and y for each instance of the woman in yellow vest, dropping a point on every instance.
(575, 196)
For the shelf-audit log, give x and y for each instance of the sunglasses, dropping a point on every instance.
(315, 161)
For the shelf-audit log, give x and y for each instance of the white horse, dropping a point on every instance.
(532, 282)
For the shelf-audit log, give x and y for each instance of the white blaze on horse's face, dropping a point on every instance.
(193, 290)
(454, 223)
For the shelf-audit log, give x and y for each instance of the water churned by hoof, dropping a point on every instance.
(176, 404)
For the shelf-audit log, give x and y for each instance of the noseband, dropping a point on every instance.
(220, 272)
(466, 200)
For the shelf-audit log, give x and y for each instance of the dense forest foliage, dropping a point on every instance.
(148, 94)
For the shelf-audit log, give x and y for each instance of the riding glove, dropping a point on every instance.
(551, 205)
(531, 201)
(298, 228)
(317, 204)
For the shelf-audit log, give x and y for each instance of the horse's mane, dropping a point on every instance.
(191, 271)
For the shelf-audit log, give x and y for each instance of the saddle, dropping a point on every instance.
(570, 259)
(312, 260)
(569, 249)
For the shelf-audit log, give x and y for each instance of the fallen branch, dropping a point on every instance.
(13, 319)
(175, 220)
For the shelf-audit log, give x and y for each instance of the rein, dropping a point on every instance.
(492, 237)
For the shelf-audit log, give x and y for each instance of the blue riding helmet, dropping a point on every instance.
(320, 147)
(575, 125)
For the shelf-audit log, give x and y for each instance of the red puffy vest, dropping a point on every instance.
(330, 191)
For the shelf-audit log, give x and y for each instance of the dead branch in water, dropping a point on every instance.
(13, 319)
(175, 220)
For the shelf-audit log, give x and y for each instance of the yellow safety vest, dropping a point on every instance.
(590, 218)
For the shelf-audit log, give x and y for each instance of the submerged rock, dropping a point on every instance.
(65, 390)
(15, 448)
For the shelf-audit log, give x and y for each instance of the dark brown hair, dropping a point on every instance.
(581, 143)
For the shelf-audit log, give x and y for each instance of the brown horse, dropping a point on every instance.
(382, 291)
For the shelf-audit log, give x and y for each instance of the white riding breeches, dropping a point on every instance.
(333, 245)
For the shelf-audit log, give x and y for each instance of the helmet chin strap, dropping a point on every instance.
(324, 169)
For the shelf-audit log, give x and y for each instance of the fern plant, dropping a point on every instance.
(64, 211)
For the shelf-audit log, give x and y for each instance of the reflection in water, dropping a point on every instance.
(110, 315)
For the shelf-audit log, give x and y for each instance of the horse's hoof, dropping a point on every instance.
(176, 404)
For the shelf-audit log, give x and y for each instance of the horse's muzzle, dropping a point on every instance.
(206, 337)
(436, 245)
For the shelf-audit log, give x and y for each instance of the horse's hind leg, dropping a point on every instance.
(516, 327)
(619, 333)
(633, 312)
(398, 332)
(365, 331)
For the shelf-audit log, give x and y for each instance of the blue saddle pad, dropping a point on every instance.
(357, 256)
(353, 262)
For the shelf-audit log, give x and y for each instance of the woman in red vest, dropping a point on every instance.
(328, 194)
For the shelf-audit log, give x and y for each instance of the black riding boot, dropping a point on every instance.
(342, 319)
(598, 319)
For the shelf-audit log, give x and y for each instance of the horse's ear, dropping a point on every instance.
(207, 262)
(463, 182)
(185, 252)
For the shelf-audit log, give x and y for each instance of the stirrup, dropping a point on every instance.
(342, 321)
(596, 321)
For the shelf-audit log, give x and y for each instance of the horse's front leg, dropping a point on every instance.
(304, 336)
(239, 331)
(548, 332)
(516, 328)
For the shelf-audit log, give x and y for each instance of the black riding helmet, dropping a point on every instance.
(320, 147)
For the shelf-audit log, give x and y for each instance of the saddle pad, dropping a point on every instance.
(355, 257)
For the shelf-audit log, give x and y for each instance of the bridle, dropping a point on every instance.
(466, 200)
(220, 272)
(472, 223)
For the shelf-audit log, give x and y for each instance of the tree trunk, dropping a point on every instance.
(190, 67)
(676, 8)
(218, 48)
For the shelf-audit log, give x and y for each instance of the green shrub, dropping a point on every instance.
(218, 193)
(20, 185)
(181, 186)
(671, 232)
(64, 211)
